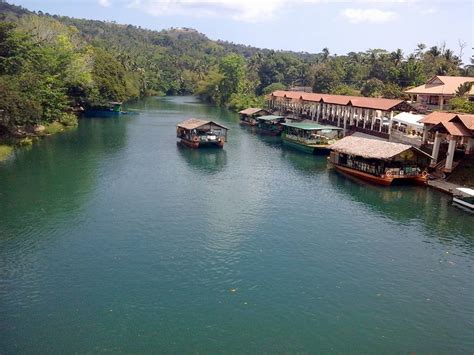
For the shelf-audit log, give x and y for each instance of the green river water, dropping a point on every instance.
(113, 238)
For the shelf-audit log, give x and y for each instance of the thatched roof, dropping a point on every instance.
(371, 148)
(194, 123)
(252, 111)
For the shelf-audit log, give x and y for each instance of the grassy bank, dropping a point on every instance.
(5, 152)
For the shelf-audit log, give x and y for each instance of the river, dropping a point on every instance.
(113, 238)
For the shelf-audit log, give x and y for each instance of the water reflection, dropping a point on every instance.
(206, 160)
(305, 163)
(407, 204)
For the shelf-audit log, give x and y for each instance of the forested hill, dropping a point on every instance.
(51, 64)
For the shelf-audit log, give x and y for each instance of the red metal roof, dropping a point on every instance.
(356, 101)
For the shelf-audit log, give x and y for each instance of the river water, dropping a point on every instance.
(113, 238)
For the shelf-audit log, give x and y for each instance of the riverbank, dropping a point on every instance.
(27, 135)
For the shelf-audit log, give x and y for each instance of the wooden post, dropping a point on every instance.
(450, 155)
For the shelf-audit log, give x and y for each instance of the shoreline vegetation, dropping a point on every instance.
(53, 67)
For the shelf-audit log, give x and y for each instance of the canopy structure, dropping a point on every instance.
(409, 119)
(194, 123)
(371, 148)
(253, 110)
(309, 126)
(271, 118)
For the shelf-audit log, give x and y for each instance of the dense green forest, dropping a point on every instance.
(50, 66)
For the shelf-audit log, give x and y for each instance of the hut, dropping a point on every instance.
(310, 137)
(249, 116)
(378, 161)
(197, 133)
(270, 125)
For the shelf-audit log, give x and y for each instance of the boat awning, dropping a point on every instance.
(270, 118)
(409, 119)
(309, 126)
(466, 190)
(194, 123)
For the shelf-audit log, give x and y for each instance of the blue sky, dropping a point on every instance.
(299, 25)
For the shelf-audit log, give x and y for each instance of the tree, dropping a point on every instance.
(373, 87)
(232, 68)
(273, 87)
(464, 89)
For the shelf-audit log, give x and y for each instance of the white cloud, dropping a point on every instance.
(368, 15)
(255, 10)
(239, 10)
(429, 11)
(105, 3)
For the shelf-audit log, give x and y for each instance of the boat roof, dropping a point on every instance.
(371, 148)
(466, 190)
(193, 123)
(270, 118)
(310, 126)
(252, 110)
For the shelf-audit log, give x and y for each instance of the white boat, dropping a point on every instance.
(464, 197)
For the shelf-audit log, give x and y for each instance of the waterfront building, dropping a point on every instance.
(378, 161)
(310, 137)
(197, 133)
(437, 92)
(249, 115)
(452, 129)
(368, 115)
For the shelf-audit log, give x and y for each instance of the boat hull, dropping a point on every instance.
(309, 149)
(198, 144)
(379, 180)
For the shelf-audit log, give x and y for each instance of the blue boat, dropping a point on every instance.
(113, 109)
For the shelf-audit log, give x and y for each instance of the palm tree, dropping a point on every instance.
(397, 56)
(464, 89)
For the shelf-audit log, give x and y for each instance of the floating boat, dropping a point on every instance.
(112, 109)
(196, 133)
(310, 137)
(378, 161)
(270, 125)
(464, 197)
(248, 117)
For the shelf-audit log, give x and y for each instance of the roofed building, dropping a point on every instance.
(369, 115)
(437, 92)
(454, 128)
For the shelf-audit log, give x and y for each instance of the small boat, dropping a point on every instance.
(270, 125)
(310, 137)
(249, 116)
(464, 197)
(197, 133)
(378, 161)
(112, 109)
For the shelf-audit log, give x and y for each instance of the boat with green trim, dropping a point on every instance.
(270, 125)
(112, 109)
(310, 137)
(249, 116)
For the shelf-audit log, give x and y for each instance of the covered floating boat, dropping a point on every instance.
(196, 133)
(112, 109)
(270, 125)
(379, 161)
(248, 117)
(310, 137)
(464, 198)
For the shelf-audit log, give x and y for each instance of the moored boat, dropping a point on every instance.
(310, 137)
(197, 133)
(378, 161)
(112, 109)
(249, 116)
(464, 197)
(270, 125)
